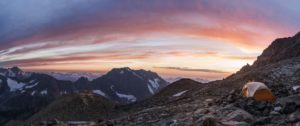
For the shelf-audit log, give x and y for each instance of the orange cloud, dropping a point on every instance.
(124, 28)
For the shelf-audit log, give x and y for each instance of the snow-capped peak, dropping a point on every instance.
(14, 85)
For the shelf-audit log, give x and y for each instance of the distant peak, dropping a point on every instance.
(126, 68)
(83, 79)
(16, 69)
(297, 35)
(185, 79)
(122, 69)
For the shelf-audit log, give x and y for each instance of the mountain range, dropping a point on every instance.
(27, 92)
(73, 76)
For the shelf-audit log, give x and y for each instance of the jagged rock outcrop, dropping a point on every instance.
(280, 49)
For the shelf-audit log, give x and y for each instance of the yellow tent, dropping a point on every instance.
(258, 90)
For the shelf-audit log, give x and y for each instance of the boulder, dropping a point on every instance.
(209, 122)
(238, 115)
(258, 108)
(292, 98)
(297, 124)
(289, 104)
(206, 121)
(278, 119)
(52, 122)
(262, 121)
(250, 102)
(274, 113)
(289, 107)
(294, 117)
(200, 112)
(234, 123)
(171, 123)
(209, 102)
(109, 123)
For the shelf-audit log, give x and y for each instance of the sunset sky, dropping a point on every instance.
(189, 38)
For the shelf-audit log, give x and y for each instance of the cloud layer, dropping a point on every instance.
(98, 35)
(191, 69)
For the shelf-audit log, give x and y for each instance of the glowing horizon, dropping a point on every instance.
(200, 38)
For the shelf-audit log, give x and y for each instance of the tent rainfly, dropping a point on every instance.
(259, 91)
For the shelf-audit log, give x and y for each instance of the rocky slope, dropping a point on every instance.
(83, 106)
(174, 79)
(280, 49)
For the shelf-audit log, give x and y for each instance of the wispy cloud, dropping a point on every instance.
(240, 23)
(142, 32)
(192, 69)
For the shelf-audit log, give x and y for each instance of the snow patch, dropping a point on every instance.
(173, 123)
(277, 109)
(23, 91)
(63, 92)
(295, 88)
(135, 74)
(99, 92)
(44, 92)
(112, 87)
(31, 86)
(122, 72)
(14, 85)
(32, 93)
(154, 83)
(180, 93)
(150, 89)
(32, 81)
(130, 98)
